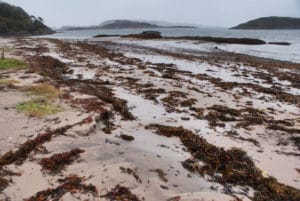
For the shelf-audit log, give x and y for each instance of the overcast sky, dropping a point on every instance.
(224, 13)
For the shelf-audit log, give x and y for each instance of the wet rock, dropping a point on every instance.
(245, 41)
(145, 35)
(279, 43)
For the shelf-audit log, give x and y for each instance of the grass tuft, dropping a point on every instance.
(43, 90)
(8, 81)
(38, 108)
(8, 64)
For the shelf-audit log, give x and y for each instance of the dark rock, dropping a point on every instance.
(220, 40)
(145, 35)
(105, 35)
(279, 43)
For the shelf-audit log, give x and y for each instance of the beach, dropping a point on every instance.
(158, 119)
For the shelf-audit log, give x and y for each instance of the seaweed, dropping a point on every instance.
(127, 137)
(234, 166)
(103, 93)
(131, 172)
(120, 193)
(57, 162)
(90, 105)
(50, 67)
(4, 180)
(26, 148)
(225, 109)
(161, 174)
(70, 184)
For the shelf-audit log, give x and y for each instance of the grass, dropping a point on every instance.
(8, 81)
(43, 90)
(8, 64)
(7, 49)
(38, 108)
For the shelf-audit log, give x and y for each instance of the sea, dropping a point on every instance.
(286, 53)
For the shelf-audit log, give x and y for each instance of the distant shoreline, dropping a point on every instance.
(101, 28)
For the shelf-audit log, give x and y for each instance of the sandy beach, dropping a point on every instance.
(153, 120)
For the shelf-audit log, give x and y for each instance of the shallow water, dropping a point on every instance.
(288, 53)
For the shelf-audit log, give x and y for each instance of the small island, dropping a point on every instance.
(123, 24)
(280, 23)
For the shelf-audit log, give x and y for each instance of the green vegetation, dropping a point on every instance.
(38, 108)
(42, 104)
(8, 81)
(43, 90)
(15, 21)
(8, 64)
(271, 23)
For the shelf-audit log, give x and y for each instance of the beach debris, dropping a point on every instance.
(131, 172)
(21, 154)
(161, 174)
(120, 193)
(57, 162)
(70, 184)
(24, 150)
(176, 198)
(127, 137)
(90, 105)
(4, 178)
(233, 166)
(50, 67)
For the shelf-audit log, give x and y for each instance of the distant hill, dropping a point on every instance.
(127, 24)
(123, 24)
(271, 23)
(15, 21)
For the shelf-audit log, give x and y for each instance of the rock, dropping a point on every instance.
(105, 35)
(279, 43)
(145, 35)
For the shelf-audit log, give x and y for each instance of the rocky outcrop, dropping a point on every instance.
(271, 23)
(145, 35)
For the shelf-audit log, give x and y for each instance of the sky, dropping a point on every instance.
(224, 13)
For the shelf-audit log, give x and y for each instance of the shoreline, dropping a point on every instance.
(112, 88)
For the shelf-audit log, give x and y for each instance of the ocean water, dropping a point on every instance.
(288, 53)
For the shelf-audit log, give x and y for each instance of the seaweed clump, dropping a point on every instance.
(50, 67)
(127, 137)
(120, 193)
(233, 166)
(70, 184)
(24, 150)
(4, 180)
(161, 174)
(57, 162)
(131, 172)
